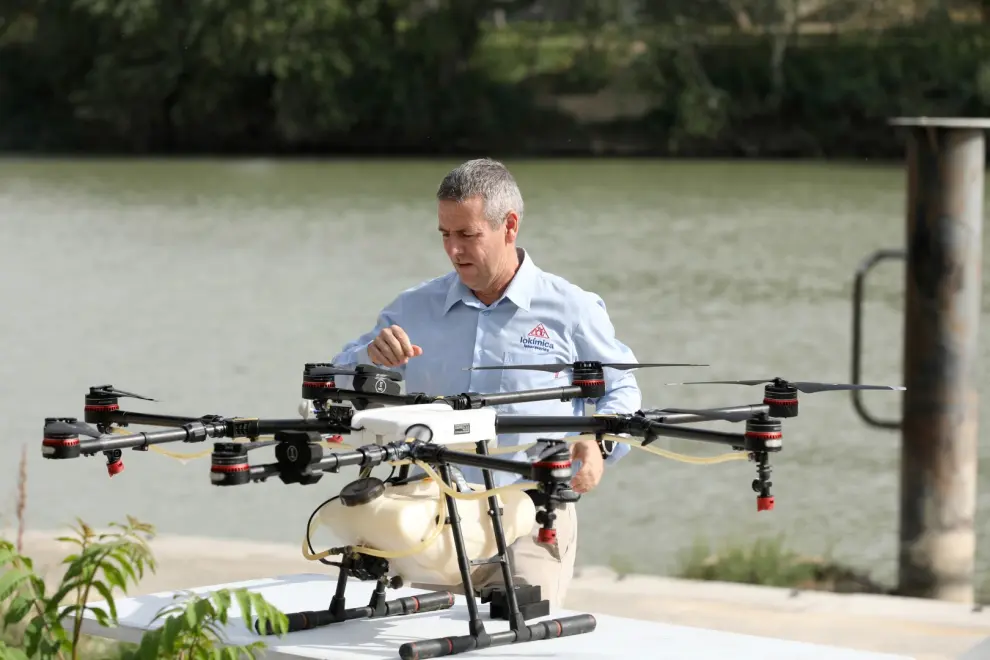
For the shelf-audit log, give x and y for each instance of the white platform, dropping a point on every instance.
(366, 639)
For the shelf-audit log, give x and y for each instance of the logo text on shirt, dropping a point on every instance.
(537, 338)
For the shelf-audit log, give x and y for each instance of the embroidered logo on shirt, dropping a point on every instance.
(537, 338)
(539, 331)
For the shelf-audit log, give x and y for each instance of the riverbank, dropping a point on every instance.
(926, 630)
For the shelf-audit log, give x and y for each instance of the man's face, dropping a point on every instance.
(478, 253)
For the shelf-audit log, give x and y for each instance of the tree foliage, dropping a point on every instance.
(724, 77)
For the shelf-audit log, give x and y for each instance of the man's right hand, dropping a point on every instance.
(392, 347)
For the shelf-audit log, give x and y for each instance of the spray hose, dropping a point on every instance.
(483, 494)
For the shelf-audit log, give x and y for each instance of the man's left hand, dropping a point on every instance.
(592, 465)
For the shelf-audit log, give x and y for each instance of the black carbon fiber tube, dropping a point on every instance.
(550, 629)
(428, 602)
(433, 601)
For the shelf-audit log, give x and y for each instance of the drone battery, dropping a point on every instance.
(527, 597)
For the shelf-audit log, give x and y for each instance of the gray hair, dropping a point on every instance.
(488, 179)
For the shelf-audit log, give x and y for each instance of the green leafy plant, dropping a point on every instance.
(102, 562)
(193, 629)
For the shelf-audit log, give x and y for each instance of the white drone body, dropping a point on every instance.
(437, 423)
(400, 522)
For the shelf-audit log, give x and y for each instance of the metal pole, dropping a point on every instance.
(945, 179)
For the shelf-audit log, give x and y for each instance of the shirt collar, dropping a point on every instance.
(519, 291)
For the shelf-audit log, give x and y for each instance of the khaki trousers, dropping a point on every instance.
(549, 566)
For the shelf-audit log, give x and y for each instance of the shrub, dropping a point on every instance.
(47, 625)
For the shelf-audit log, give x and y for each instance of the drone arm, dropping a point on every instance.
(127, 418)
(738, 441)
(192, 432)
(712, 414)
(554, 424)
(481, 461)
(500, 398)
(230, 465)
(298, 460)
(633, 425)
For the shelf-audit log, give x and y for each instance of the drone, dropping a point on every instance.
(429, 528)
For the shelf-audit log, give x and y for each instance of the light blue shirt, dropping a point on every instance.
(541, 318)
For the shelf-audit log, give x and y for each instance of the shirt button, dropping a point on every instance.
(486, 312)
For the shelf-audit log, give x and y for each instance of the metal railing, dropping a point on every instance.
(857, 334)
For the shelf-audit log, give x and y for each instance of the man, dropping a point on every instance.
(497, 307)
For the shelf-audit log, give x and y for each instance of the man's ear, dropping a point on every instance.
(511, 226)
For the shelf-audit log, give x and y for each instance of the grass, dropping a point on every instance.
(769, 562)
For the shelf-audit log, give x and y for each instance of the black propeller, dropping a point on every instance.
(111, 391)
(561, 366)
(712, 413)
(802, 386)
(58, 426)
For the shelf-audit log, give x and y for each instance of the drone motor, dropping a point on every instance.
(781, 399)
(229, 464)
(61, 438)
(320, 382)
(101, 402)
(763, 435)
(552, 470)
(590, 377)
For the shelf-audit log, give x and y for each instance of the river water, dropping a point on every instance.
(209, 284)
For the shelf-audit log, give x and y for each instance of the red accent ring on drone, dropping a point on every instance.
(115, 468)
(764, 503)
(320, 384)
(547, 535)
(780, 402)
(61, 442)
(764, 435)
(583, 381)
(553, 465)
(240, 467)
(102, 408)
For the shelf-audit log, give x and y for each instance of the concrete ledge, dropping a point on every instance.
(784, 599)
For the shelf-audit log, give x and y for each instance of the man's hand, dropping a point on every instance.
(592, 465)
(392, 347)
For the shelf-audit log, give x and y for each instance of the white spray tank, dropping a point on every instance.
(397, 519)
